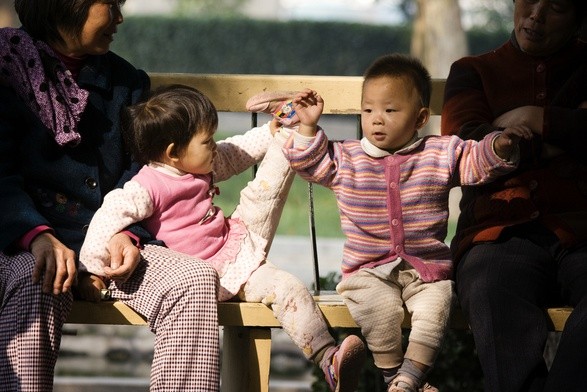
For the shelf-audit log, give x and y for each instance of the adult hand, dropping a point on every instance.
(54, 264)
(124, 258)
(530, 116)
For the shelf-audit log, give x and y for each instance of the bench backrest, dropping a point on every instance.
(229, 93)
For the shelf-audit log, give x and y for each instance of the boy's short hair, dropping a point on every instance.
(171, 114)
(400, 65)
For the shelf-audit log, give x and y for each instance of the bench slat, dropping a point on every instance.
(243, 314)
(230, 92)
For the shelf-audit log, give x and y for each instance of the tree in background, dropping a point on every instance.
(438, 37)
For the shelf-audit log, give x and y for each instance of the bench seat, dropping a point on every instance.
(247, 332)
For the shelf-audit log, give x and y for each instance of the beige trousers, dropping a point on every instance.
(376, 298)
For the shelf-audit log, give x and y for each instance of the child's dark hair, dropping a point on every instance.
(399, 65)
(171, 114)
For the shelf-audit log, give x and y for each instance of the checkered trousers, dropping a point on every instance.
(177, 294)
(30, 327)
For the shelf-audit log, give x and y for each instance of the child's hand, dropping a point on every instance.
(124, 258)
(505, 143)
(90, 286)
(308, 105)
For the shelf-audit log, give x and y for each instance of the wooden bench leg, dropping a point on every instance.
(246, 355)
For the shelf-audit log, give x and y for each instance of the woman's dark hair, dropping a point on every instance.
(172, 114)
(42, 18)
(399, 65)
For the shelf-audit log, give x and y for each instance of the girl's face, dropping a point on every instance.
(543, 26)
(198, 156)
(391, 112)
(104, 16)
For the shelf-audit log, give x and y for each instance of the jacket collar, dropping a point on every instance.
(376, 152)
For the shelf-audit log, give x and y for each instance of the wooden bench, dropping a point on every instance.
(247, 326)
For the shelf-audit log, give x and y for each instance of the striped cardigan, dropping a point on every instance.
(396, 205)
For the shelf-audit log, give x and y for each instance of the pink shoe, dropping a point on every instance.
(276, 103)
(344, 367)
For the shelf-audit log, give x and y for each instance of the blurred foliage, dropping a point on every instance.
(238, 45)
(480, 41)
(224, 8)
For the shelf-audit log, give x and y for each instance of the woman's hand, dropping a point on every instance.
(533, 118)
(124, 258)
(529, 116)
(54, 264)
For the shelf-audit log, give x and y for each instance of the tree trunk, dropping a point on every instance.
(438, 38)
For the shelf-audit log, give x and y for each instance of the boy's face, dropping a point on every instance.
(391, 112)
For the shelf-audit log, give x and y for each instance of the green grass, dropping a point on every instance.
(295, 218)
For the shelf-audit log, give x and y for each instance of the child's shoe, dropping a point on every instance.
(343, 364)
(276, 103)
(403, 383)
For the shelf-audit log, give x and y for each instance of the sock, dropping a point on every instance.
(317, 359)
(389, 374)
(408, 368)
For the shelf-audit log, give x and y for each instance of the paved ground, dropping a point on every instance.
(126, 385)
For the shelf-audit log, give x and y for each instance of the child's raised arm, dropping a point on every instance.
(308, 105)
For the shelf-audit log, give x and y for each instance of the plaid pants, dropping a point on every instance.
(30, 327)
(176, 293)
